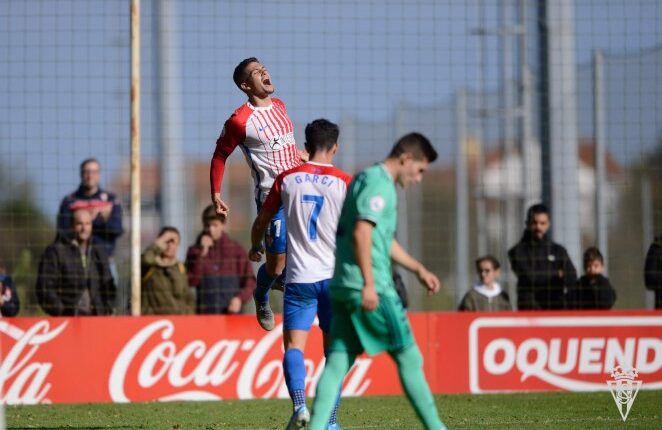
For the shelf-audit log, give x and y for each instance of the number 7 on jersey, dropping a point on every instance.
(318, 202)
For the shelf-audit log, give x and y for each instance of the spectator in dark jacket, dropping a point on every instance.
(9, 305)
(165, 287)
(487, 295)
(104, 207)
(74, 277)
(653, 270)
(219, 268)
(545, 273)
(593, 291)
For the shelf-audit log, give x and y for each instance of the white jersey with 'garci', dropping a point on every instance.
(312, 196)
(266, 137)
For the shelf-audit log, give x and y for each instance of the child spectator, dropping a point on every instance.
(164, 284)
(219, 268)
(8, 297)
(486, 295)
(594, 291)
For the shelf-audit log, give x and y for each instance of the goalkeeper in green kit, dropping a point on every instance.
(367, 313)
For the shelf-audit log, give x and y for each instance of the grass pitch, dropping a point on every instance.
(501, 411)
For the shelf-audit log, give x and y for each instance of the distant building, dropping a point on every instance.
(237, 189)
(503, 178)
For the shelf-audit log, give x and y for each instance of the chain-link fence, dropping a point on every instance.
(525, 101)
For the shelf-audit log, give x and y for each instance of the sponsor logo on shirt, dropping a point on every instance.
(278, 142)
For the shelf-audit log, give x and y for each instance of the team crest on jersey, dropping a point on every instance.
(377, 203)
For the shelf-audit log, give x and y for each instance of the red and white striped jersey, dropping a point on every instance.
(266, 137)
(312, 196)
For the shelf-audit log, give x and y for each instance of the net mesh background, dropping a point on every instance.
(459, 72)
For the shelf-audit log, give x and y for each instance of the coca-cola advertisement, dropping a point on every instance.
(125, 359)
(130, 359)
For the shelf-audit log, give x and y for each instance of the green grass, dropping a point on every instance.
(511, 411)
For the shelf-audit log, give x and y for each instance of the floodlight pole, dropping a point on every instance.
(600, 156)
(561, 166)
(172, 179)
(135, 157)
(461, 198)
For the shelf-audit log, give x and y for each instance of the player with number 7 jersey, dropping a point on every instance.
(312, 196)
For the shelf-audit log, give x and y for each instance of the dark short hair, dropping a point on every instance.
(593, 254)
(490, 259)
(168, 228)
(87, 161)
(239, 75)
(536, 209)
(415, 144)
(209, 215)
(321, 135)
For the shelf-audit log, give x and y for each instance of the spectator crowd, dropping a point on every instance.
(77, 275)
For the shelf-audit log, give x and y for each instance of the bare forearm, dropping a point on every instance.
(400, 256)
(259, 228)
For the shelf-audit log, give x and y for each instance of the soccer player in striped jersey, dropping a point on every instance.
(312, 196)
(264, 132)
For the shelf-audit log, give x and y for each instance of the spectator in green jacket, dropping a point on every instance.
(486, 295)
(165, 287)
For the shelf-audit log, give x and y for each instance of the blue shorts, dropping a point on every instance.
(275, 239)
(302, 301)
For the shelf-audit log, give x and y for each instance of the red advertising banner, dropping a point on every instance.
(129, 359)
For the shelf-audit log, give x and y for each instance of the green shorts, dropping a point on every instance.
(355, 330)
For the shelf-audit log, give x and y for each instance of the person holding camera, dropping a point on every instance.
(165, 287)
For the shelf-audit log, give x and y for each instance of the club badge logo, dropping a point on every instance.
(377, 203)
(624, 389)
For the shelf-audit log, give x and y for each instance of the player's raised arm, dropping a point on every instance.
(427, 278)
